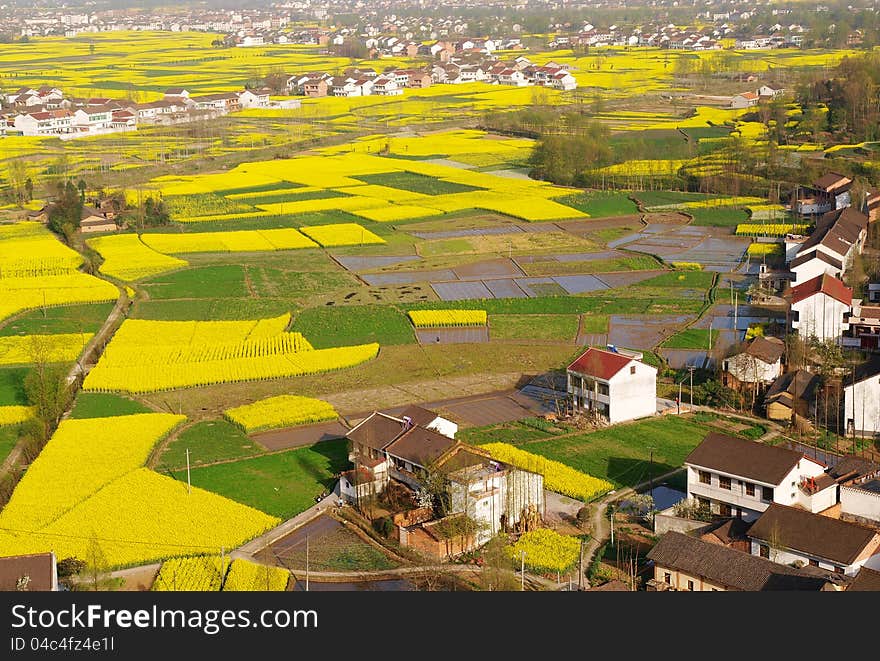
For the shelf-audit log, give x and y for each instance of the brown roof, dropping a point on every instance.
(851, 467)
(799, 383)
(867, 580)
(420, 446)
(820, 536)
(825, 284)
(816, 254)
(599, 363)
(837, 230)
(729, 531)
(418, 415)
(767, 349)
(832, 180)
(729, 568)
(748, 459)
(464, 456)
(377, 431)
(39, 568)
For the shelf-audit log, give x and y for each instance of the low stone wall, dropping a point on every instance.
(666, 520)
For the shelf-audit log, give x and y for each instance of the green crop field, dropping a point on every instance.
(332, 326)
(103, 405)
(560, 328)
(67, 319)
(282, 484)
(207, 442)
(692, 338)
(621, 454)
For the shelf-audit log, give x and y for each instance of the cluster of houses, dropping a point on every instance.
(46, 111)
(468, 68)
(783, 521)
(821, 307)
(683, 38)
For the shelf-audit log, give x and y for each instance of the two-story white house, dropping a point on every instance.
(614, 385)
(759, 363)
(789, 535)
(734, 477)
(258, 98)
(861, 399)
(820, 308)
(839, 236)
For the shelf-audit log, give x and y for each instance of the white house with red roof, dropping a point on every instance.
(819, 308)
(614, 385)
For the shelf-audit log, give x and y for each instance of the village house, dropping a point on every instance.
(872, 205)
(860, 501)
(861, 394)
(37, 572)
(864, 326)
(839, 236)
(684, 563)
(49, 122)
(793, 391)
(385, 86)
(315, 87)
(614, 385)
(789, 535)
(95, 220)
(730, 476)
(759, 363)
(386, 448)
(258, 98)
(744, 100)
(820, 308)
(829, 192)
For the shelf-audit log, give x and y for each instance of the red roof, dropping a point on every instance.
(599, 363)
(826, 284)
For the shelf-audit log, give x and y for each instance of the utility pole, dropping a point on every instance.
(188, 482)
(691, 369)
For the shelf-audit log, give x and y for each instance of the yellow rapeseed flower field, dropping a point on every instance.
(148, 356)
(247, 576)
(440, 318)
(23, 349)
(280, 411)
(82, 457)
(87, 488)
(28, 249)
(342, 234)
(546, 551)
(201, 573)
(13, 415)
(557, 476)
(126, 257)
(235, 241)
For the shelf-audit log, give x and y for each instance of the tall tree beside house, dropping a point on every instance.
(81, 187)
(66, 213)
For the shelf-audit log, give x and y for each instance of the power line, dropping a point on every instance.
(110, 540)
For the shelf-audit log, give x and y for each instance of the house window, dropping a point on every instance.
(724, 482)
(667, 578)
(690, 586)
(632, 369)
(750, 489)
(814, 563)
(724, 509)
(837, 569)
(764, 551)
(705, 477)
(768, 493)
